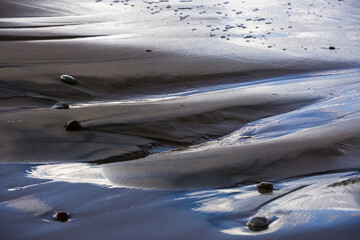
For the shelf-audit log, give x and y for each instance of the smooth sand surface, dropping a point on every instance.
(184, 107)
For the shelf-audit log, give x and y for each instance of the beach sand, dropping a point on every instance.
(184, 106)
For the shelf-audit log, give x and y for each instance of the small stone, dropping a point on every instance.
(148, 50)
(332, 48)
(265, 187)
(61, 105)
(68, 79)
(61, 216)
(258, 224)
(73, 125)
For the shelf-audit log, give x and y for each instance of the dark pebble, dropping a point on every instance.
(73, 125)
(61, 105)
(332, 48)
(68, 79)
(265, 187)
(148, 50)
(61, 216)
(258, 224)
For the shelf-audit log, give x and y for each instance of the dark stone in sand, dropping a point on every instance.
(148, 50)
(332, 48)
(61, 105)
(73, 125)
(258, 224)
(68, 79)
(265, 187)
(61, 216)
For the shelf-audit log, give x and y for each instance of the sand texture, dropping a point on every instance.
(184, 106)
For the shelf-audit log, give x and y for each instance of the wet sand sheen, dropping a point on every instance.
(184, 107)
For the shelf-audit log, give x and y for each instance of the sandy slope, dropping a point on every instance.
(179, 94)
(36, 50)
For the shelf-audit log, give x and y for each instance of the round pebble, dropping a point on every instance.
(148, 50)
(61, 216)
(68, 79)
(258, 224)
(265, 187)
(332, 48)
(61, 105)
(73, 125)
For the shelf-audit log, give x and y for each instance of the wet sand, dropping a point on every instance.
(184, 106)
